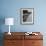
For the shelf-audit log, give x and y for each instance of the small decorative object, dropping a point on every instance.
(26, 34)
(9, 21)
(30, 33)
(27, 15)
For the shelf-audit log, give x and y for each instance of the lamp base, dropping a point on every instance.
(9, 33)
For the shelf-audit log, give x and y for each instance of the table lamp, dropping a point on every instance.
(9, 21)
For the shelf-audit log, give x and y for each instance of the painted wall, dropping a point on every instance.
(11, 8)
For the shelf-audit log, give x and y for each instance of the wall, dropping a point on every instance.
(11, 8)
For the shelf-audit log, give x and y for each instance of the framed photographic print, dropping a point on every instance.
(27, 15)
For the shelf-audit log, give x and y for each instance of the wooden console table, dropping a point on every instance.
(20, 39)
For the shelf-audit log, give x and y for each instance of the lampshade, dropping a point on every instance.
(9, 21)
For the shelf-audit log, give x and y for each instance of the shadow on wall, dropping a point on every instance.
(2, 21)
(1, 39)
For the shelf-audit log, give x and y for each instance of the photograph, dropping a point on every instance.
(27, 15)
